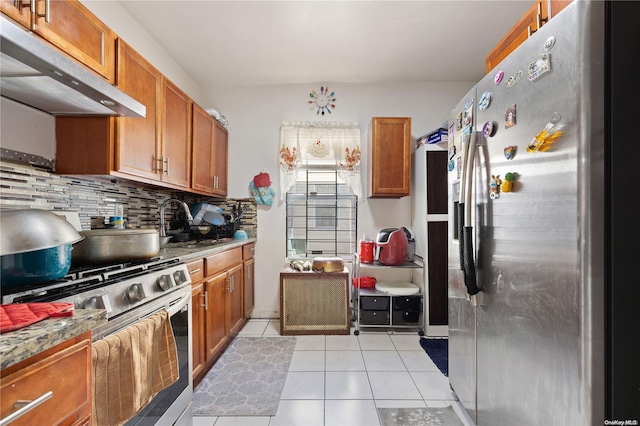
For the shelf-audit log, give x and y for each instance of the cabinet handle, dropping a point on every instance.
(47, 10)
(195, 271)
(228, 280)
(206, 301)
(26, 407)
(233, 284)
(166, 168)
(157, 168)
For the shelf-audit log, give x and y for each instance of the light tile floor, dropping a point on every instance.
(341, 380)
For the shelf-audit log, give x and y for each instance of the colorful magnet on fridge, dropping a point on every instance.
(485, 101)
(543, 140)
(498, 77)
(510, 117)
(494, 187)
(514, 79)
(451, 165)
(539, 66)
(510, 152)
(489, 129)
(507, 183)
(459, 121)
(549, 43)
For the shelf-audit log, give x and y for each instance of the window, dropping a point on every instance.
(321, 215)
(320, 180)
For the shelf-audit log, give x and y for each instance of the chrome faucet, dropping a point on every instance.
(163, 232)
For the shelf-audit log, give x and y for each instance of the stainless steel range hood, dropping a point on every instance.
(35, 74)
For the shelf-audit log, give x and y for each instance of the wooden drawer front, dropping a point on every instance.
(196, 270)
(222, 261)
(67, 374)
(248, 251)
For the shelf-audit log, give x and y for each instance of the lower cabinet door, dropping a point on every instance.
(215, 322)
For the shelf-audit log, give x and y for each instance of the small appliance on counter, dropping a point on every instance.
(392, 246)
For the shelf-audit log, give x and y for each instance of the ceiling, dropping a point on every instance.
(225, 43)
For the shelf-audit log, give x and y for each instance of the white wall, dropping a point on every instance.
(255, 114)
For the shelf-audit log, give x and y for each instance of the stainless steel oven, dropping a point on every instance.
(130, 293)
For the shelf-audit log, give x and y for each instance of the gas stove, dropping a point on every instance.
(116, 288)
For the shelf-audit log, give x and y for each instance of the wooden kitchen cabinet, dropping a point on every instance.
(249, 283)
(198, 313)
(216, 329)
(536, 16)
(210, 149)
(176, 136)
(389, 165)
(155, 149)
(72, 28)
(64, 370)
(218, 298)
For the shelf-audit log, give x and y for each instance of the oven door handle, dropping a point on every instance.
(180, 306)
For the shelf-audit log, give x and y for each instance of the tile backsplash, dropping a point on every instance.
(23, 186)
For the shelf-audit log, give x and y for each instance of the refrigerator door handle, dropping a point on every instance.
(461, 201)
(468, 252)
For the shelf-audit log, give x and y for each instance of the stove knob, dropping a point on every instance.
(180, 277)
(135, 292)
(164, 282)
(97, 302)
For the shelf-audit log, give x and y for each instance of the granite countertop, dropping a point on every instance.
(193, 250)
(18, 345)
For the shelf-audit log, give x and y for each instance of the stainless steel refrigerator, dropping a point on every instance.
(542, 291)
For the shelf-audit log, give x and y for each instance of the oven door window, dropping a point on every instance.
(159, 405)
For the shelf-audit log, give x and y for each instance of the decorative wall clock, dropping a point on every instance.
(323, 101)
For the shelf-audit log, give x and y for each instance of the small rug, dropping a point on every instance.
(247, 379)
(438, 351)
(439, 416)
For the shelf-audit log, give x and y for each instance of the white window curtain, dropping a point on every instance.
(334, 145)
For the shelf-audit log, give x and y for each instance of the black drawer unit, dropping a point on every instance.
(406, 317)
(374, 317)
(407, 303)
(374, 303)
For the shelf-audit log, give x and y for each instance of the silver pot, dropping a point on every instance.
(102, 246)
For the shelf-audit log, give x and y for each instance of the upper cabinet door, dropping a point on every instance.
(16, 10)
(138, 149)
(538, 14)
(76, 31)
(202, 154)
(220, 152)
(389, 165)
(176, 136)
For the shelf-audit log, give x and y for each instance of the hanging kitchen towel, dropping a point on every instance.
(130, 367)
(14, 316)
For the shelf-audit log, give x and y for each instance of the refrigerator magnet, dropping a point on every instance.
(514, 79)
(510, 152)
(485, 101)
(510, 117)
(494, 187)
(549, 43)
(498, 77)
(489, 129)
(507, 183)
(539, 66)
